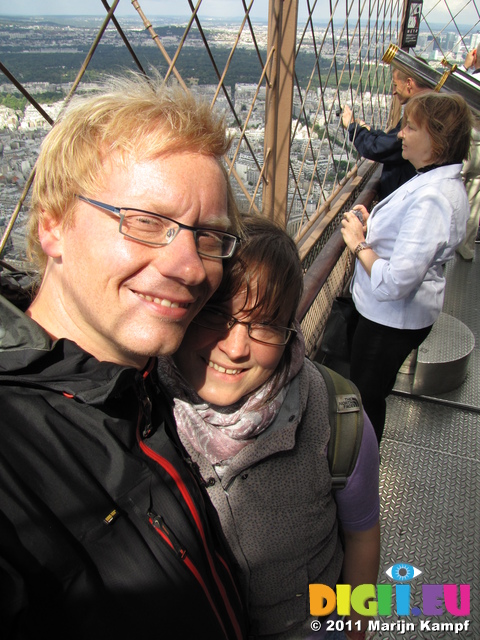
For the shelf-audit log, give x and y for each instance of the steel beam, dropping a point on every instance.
(282, 28)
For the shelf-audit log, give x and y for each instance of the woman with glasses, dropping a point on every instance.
(252, 413)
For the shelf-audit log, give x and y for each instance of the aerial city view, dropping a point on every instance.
(239, 319)
(44, 54)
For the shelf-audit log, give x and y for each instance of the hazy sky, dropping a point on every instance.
(220, 8)
(464, 10)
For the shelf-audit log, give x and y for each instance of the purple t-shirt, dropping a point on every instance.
(358, 503)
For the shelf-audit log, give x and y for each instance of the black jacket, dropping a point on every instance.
(386, 148)
(103, 531)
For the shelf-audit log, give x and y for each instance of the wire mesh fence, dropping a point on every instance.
(337, 61)
(313, 56)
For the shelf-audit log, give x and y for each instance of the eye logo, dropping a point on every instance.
(402, 572)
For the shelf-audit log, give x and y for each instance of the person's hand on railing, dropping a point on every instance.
(471, 59)
(347, 118)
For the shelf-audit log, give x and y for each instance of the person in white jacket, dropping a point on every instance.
(398, 283)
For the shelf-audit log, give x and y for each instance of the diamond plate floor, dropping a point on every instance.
(430, 477)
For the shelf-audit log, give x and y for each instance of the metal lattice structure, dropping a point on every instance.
(282, 74)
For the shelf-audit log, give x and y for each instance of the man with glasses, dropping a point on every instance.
(103, 530)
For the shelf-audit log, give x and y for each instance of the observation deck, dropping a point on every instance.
(292, 161)
(430, 473)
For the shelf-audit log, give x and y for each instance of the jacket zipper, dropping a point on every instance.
(159, 525)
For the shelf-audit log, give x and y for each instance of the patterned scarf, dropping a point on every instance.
(219, 433)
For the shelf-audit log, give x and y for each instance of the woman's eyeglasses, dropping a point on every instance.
(216, 320)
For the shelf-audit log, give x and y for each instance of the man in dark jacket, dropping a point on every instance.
(104, 533)
(385, 146)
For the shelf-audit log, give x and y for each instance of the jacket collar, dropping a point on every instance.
(446, 172)
(29, 356)
(18, 331)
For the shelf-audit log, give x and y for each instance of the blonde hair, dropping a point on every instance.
(132, 116)
(403, 77)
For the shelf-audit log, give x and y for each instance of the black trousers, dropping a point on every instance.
(377, 354)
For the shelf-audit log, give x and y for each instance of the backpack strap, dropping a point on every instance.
(346, 425)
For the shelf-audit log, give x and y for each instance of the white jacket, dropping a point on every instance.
(414, 231)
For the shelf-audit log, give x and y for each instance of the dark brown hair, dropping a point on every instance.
(267, 268)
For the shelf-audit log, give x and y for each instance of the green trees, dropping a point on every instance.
(13, 102)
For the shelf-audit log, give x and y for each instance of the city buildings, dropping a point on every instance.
(319, 149)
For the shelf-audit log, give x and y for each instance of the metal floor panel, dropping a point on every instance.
(430, 477)
(435, 428)
(462, 294)
(430, 511)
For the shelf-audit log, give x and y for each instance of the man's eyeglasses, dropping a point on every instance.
(215, 320)
(158, 231)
